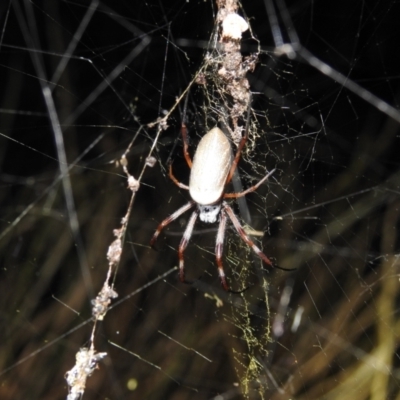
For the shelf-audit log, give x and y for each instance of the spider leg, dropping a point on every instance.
(184, 135)
(246, 239)
(240, 147)
(249, 190)
(236, 159)
(186, 145)
(184, 242)
(219, 245)
(185, 151)
(243, 235)
(173, 179)
(169, 219)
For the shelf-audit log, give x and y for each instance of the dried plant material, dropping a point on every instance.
(151, 161)
(233, 67)
(115, 249)
(233, 25)
(86, 362)
(102, 301)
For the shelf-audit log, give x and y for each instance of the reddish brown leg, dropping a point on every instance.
(249, 190)
(237, 157)
(184, 242)
(184, 135)
(169, 219)
(243, 235)
(187, 158)
(241, 145)
(186, 145)
(173, 179)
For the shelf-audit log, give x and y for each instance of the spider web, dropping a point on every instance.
(81, 82)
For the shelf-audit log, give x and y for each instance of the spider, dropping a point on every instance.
(211, 170)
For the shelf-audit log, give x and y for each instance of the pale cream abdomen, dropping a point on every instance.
(211, 164)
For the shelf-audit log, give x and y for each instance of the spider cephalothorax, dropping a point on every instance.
(211, 170)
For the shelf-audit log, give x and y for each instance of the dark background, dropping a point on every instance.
(331, 210)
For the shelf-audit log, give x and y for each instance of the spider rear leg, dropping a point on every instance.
(184, 242)
(246, 239)
(243, 235)
(219, 250)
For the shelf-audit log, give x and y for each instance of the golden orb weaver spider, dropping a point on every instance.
(212, 169)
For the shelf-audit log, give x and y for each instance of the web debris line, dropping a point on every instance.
(87, 358)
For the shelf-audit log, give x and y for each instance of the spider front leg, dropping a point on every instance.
(169, 219)
(250, 189)
(186, 145)
(173, 179)
(185, 136)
